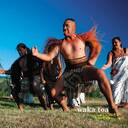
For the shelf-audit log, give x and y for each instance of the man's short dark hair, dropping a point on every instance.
(71, 19)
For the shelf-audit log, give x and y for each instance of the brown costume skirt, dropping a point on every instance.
(74, 78)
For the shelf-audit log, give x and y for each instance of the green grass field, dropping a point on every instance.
(93, 114)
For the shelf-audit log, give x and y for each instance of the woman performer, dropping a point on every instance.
(118, 60)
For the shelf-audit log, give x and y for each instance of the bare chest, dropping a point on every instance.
(72, 46)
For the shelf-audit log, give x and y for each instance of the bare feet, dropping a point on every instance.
(20, 106)
(123, 105)
(64, 106)
(65, 109)
(114, 110)
(126, 105)
(63, 103)
(51, 107)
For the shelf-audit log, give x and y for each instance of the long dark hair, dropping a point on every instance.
(22, 45)
(116, 38)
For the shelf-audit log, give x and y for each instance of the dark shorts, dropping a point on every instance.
(37, 86)
(25, 85)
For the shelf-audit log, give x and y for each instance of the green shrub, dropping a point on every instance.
(4, 86)
(92, 90)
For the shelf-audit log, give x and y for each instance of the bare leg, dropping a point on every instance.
(17, 100)
(48, 91)
(56, 91)
(43, 101)
(20, 106)
(99, 75)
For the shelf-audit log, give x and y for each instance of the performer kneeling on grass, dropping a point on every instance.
(72, 47)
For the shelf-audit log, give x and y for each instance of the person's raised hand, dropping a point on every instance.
(2, 71)
(34, 51)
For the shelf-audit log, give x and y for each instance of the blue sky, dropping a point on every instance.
(33, 21)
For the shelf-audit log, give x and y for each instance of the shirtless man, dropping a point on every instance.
(25, 77)
(72, 47)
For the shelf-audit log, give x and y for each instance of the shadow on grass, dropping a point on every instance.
(10, 103)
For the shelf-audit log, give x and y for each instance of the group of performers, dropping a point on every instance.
(44, 70)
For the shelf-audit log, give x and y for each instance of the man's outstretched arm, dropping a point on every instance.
(46, 57)
(8, 72)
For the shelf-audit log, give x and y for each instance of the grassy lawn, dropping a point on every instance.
(92, 114)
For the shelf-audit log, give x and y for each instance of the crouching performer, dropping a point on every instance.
(72, 47)
(25, 75)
